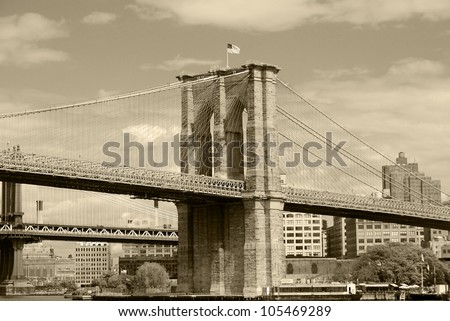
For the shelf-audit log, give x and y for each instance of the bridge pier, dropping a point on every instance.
(232, 248)
(211, 239)
(12, 277)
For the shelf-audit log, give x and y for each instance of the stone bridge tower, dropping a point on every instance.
(228, 132)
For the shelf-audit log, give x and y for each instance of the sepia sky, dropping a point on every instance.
(380, 68)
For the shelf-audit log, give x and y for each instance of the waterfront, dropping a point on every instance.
(34, 298)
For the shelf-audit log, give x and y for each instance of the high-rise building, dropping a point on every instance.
(404, 182)
(92, 260)
(302, 234)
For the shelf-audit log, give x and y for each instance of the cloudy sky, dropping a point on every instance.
(381, 68)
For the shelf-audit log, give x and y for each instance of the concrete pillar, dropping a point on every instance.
(6, 258)
(11, 200)
(17, 268)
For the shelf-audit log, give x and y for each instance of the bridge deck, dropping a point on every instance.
(77, 174)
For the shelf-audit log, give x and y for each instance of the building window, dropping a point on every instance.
(314, 269)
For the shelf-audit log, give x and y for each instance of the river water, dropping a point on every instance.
(34, 298)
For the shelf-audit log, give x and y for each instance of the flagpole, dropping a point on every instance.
(227, 60)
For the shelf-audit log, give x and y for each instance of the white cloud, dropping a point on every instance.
(99, 18)
(20, 35)
(102, 93)
(179, 62)
(265, 15)
(410, 67)
(145, 133)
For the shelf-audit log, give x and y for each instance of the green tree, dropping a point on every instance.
(342, 273)
(69, 285)
(399, 263)
(151, 275)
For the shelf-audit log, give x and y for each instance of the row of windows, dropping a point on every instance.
(90, 273)
(386, 226)
(305, 253)
(149, 246)
(149, 251)
(300, 228)
(302, 241)
(291, 241)
(159, 255)
(92, 266)
(91, 249)
(302, 234)
(92, 260)
(403, 240)
(300, 215)
(302, 222)
(394, 233)
(299, 247)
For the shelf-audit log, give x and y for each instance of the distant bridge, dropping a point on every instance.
(90, 234)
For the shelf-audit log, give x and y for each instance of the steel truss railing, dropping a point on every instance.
(93, 232)
(38, 164)
(364, 203)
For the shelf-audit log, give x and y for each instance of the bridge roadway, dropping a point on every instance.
(152, 184)
(90, 234)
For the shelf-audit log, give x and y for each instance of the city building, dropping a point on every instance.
(336, 238)
(361, 234)
(404, 182)
(302, 234)
(350, 237)
(92, 260)
(41, 266)
(162, 250)
(317, 270)
(440, 247)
